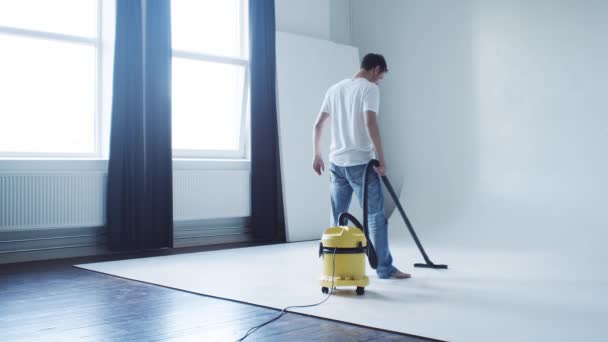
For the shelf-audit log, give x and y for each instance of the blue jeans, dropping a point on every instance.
(343, 182)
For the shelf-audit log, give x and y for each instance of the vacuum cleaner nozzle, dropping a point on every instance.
(435, 266)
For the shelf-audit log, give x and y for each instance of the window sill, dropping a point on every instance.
(52, 164)
(210, 164)
(101, 165)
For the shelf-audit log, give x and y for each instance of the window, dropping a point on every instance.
(210, 78)
(49, 81)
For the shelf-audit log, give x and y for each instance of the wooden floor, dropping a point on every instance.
(53, 301)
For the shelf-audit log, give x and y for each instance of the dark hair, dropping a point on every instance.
(372, 60)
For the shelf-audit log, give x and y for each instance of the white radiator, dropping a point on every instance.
(206, 194)
(49, 199)
(52, 199)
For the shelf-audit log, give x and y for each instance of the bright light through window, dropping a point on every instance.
(48, 78)
(206, 26)
(48, 96)
(210, 64)
(207, 105)
(70, 17)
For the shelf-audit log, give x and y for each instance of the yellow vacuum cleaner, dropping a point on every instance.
(343, 250)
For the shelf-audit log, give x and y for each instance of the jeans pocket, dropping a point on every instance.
(356, 173)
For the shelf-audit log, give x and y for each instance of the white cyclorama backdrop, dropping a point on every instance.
(495, 118)
(306, 68)
(475, 300)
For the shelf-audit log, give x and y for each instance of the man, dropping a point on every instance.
(352, 106)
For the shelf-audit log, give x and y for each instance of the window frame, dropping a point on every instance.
(97, 43)
(103, 88)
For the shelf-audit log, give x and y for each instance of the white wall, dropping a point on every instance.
(426, 99)
(495, 116)
(322, 19)
(339, 24)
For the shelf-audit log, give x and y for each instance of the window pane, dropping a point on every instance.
(207, 102)
(207, 26)
(72, 17)
(48, 96)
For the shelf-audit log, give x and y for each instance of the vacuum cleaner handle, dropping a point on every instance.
(427, 261)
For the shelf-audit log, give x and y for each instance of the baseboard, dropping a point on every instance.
(58, 243)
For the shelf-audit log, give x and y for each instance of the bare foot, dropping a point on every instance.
(400, 275)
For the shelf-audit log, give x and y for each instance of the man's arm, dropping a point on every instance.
(374, 133)
(317, 162)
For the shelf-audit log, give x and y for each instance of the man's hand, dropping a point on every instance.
(318, 165)
(381, 170)
(317, 161)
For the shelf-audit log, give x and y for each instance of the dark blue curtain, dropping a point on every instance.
(125, 188)
(139, 210)
(159, 168)
(267, 216)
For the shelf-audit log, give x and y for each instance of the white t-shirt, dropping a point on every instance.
(346, 103)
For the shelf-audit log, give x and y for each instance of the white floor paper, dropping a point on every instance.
(484, 296)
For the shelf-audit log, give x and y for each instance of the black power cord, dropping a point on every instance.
(254, 329)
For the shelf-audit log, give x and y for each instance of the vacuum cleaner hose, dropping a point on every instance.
(369, 250)
(345, 217)
(371, 255)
